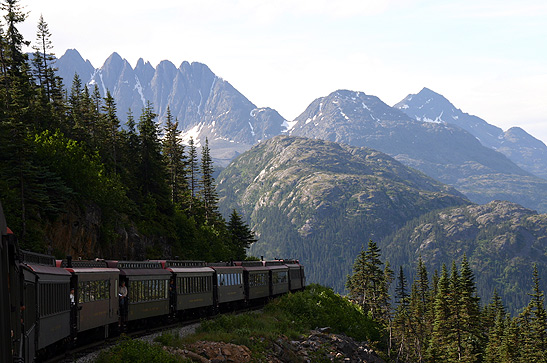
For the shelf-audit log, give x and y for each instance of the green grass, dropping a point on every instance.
(291, 315)
(136, 351)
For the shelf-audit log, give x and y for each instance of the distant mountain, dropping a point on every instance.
(520, 147)
(502, 241)
(204, 104)
(441, 150)
(321, 201)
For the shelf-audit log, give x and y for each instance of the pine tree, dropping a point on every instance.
(468, 307)
(151, 161)
(367, 284)
(494, 347)
(439, 346)
(402, 326)
(173, 151)
(241, 236)
(112, 126)
(533, 324)
(43, 61)
(192, 168)
(16, 97)
(208, 193)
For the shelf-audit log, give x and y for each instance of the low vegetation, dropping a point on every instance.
(137, 351)
(292, 316)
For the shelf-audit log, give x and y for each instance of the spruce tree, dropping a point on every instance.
(192, 169)
(241, 236)
(173, 151)
(533, 324)
(208, 194)
(367, 285)
(468, 305)
(111, 137)
(439, 346)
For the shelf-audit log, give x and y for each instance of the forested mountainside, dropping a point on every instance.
(205, 105)
(442, 151)
(320, 201)
(501, 240)
(72, 181)
(520, 147)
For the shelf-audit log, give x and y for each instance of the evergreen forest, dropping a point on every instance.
(440, 318)
(68, 168)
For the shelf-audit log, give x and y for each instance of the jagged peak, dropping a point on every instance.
(166, 64)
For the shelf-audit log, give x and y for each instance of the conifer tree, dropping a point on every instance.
(533, 324)
(151, 168)
(208, 193)
(173, 151)
(367, 284)
(16, 101)
(468, 311)
(43, 61)
(439, 347)
(192, 168)
(401, 321)
(240, 234)
(112, 126)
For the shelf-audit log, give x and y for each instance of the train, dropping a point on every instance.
(48, 304)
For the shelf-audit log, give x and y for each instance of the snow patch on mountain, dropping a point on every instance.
(138, 87)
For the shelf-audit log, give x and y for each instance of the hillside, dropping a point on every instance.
(502, 240)
(443, 151)
(321, 201)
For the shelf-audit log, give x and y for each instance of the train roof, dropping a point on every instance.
(34, 258)
(48, 270)
(80, 270)
(83, 264)
(181, 270)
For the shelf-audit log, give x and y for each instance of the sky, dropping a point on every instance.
(488, 57)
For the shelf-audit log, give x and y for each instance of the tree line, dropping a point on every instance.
(441, 318)
(66, 147)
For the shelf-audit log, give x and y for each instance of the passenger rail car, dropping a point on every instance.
(191, 285)
(228, 285)
(148, 288)
(95, 289)
(46, 304)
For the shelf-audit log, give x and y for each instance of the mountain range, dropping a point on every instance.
(352, 168)
(424, 131)
(205, 105)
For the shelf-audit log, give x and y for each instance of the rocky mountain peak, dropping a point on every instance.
(429, 106)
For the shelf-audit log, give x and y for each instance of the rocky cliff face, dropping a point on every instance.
(77, 232)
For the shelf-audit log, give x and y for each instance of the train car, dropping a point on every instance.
(148, 288)
(279, 273)
(227, 284)
(95, 291)
(256, 279)
(297, 279)
(46, 296)
(193, 284)
(9, 296)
